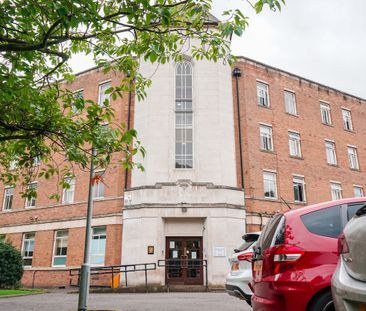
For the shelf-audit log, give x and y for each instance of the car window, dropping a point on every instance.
(270, 230)
(244, 246)
(325, 222)
(353, 208)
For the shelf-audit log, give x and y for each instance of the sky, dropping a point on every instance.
(322, 40)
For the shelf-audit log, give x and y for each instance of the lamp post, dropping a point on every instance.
(85, 267)
(237, 75)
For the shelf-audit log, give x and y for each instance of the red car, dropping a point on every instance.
(296, 256)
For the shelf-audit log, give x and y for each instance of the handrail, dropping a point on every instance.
(113, 270)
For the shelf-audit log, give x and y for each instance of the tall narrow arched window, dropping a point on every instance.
(183, 116)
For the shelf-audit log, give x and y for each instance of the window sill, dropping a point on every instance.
(350, 131)
(300, 203)
(326, 124)
(271, 199)
(267, 151)
(333, 165)
(296, 157)
(29, 207)
(292, 115)
(266, 107)
(354, 169)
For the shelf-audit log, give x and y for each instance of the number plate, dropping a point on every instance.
(258, 265)
(235, 266)
(362, 307)
(257, 269)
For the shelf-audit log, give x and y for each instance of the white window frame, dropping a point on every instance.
(347, 119)
(266, 137)
(29, 201)
(294, 143)
(25, 252)
(352, 158)
(330, 151)
(68, 194)
(290, 102)
(36, 161)
(297, 179)
(103, 86)
(325, 113)
(63, 240)
(263, 87)
(6, 195)
(75, 96)
(184, 111)
(273, 174)
(99, 187)
(336, 190)
(359, 187)
(99, 236)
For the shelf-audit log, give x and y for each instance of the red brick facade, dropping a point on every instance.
(48, 216)
(313, 163)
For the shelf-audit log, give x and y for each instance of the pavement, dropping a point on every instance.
(60, 301)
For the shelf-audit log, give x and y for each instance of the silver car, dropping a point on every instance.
(349, 280)
(241, 269)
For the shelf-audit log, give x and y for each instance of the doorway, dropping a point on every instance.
(184, 265)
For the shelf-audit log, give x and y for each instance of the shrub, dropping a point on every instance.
(11, 265)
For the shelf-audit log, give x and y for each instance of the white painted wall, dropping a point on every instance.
(213, 130)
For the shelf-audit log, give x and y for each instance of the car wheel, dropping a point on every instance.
(323, 302)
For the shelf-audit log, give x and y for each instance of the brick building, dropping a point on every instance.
(301, 143)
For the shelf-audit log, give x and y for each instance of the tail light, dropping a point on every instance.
(342, 245)
(246, 257)
(286, 256)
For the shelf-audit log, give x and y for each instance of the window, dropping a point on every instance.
(68, 193)
(347, 120)
(324, 222)
(13, 165)
(336, 190)
(98, 187)
(331, 152)
(60, 248)
(352, 158)
(183, 116)
(299, 189)
(270, 185)
(98, 246)
(358, 191)
(78, 101)
(325, 113)
(294, 144)
(28, 248)
(290, 102)
(31, 201)
(8, 198)
(352, 208)
(36, 160)
(266, 139)
(103, 96)
(262, 94)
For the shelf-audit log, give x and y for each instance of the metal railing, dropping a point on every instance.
(113, 271)
(185, 264)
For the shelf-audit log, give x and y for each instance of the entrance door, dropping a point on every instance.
(184, 264)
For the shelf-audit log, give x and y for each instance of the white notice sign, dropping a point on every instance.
(172, 244)
(175, 254)
(219, 251)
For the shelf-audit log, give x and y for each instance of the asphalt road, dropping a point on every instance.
(127, 302)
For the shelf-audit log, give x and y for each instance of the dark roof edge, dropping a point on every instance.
(301, 78)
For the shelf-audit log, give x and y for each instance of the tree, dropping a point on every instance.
(38, 37)
(11, 265)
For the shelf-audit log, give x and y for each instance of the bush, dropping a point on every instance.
(11, 265)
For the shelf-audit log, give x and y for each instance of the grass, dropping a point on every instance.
(17, 292)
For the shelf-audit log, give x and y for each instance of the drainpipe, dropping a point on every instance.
(237, 74)
(128, 128)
